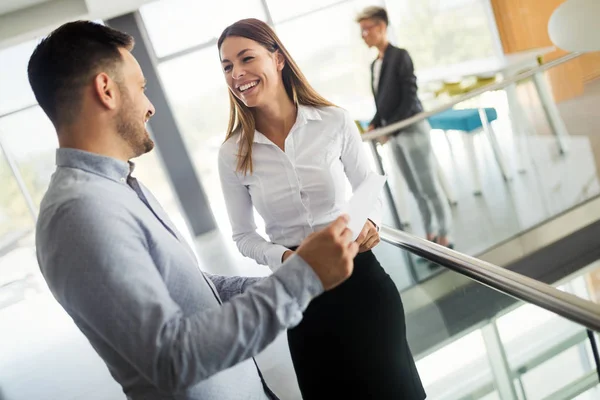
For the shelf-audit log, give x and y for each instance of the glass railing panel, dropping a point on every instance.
(591, 394)
(541, 136)
(472, 342)
(584, 283)
(539, 345)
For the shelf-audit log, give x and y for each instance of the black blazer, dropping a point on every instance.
(396, 97)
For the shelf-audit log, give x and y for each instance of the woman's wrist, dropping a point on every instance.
(286, 255)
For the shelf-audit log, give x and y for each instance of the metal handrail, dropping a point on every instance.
(477, 92)
(503, 280)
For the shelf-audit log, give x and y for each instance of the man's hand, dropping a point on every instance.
(330, 253)
(368, 237)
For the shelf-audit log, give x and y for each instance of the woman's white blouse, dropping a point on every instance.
(299, 191)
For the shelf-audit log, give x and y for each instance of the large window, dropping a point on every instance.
(13, 77)
(197, 92)
(31, 140)
(15, 218)
(282, 10)
(198, 95)
(333, 56)
(176, 25)
(442, 32)
(323, 38)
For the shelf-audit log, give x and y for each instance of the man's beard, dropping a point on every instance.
(133, 131)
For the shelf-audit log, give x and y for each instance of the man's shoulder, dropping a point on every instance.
(74, 200)
(398, 51)
(81, 217)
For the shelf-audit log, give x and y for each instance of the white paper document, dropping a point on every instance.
(362, 203)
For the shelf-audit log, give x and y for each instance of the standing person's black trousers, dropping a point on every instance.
(351, 343)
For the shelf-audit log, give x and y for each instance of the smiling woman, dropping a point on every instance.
(288, 153)
(240, 83)
(251, 54)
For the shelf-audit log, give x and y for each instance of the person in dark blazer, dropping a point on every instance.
(394, 87)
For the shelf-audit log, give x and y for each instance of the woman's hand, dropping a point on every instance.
(368, 238)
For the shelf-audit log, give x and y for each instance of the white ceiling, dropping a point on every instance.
(7, 6)
(22, 20)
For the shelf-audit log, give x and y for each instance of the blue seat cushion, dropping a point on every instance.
(461, 120)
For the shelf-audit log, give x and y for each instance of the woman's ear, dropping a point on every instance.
(280, 59)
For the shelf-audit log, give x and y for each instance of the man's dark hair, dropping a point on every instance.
(67, 59)
(373, 12)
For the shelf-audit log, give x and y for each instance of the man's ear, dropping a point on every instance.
(106, 91)
(384, 28)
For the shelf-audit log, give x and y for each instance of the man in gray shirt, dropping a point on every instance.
(115, 262)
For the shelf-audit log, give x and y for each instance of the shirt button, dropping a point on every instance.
(122, 179)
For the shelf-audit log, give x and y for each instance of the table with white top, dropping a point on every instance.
(507, 65)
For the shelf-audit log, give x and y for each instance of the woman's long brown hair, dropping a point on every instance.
(296, 86)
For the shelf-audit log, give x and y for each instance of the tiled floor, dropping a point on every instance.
(43, 355)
